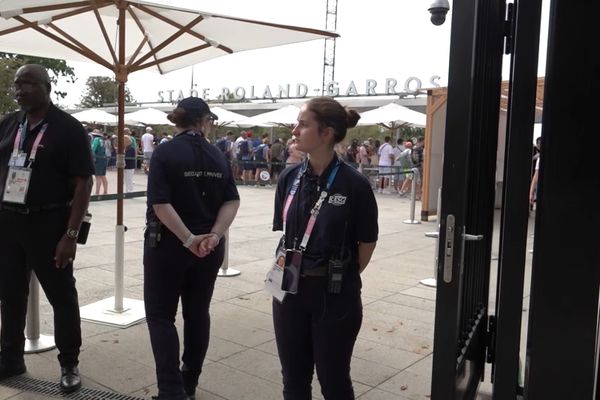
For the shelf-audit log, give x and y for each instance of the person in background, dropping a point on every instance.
(192, 201)
(277, 151)
(147, 147)
(328, 214)
(100, 162)
(261, 159)
(129, 169)
(295, 156)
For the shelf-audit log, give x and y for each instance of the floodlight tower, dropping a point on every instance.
(329, 52)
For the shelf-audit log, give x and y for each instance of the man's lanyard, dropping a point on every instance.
(314, 213)
(20, 139)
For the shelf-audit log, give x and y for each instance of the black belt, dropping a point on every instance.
(315, 271)
(32, 209)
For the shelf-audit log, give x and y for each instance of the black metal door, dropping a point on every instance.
(468, 197)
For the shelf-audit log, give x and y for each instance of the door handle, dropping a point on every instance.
(472, 238)
(449, 248)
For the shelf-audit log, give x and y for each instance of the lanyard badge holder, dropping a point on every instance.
(293, 257)
(19, 171)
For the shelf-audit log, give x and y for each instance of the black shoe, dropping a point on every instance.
(12, 370)
(190, 381)
(69, 379)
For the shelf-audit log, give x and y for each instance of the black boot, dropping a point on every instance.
(69, 379)
(190, 381)
(9, 369)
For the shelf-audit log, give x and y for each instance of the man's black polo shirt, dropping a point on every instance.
(63, 153)
(348, 215)
(194, 177)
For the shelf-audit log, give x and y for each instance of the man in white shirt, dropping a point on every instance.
(147, 147)
(386, 159)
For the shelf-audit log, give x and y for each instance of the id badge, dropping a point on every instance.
(18, 161)
(17, 185)
(275, 276)
(291, 271)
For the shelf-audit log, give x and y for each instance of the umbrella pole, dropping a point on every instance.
(118, 311)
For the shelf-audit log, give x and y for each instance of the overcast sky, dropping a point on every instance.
(379, 39)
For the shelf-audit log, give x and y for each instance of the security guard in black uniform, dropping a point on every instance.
(192, 201)
(328, 213)
(45, 182)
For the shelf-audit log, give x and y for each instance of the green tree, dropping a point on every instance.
(102, 90)
(9, 63)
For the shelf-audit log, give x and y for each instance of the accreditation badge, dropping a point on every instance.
(275, 276)
(17, 160)
(17, 185)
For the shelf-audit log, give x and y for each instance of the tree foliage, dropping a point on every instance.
(9, 63)
(101, 91)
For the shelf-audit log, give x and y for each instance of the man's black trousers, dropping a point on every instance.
(172, 272)
(28, 242)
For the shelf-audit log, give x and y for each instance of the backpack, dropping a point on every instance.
(98, 147)
(259, 154)
(222, 145)
(243, 148)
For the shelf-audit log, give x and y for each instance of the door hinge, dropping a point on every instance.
(509, 29)
(491, 340)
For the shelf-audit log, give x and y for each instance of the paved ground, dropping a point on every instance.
(392, 358)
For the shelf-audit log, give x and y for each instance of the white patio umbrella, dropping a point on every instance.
(285, 116)
(226, 117)
(93, 115)
(128, 36)
(392, 116)
(147, 116)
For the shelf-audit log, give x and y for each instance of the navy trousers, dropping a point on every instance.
(172, 272)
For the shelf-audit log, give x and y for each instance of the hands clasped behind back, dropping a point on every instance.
(203, 245)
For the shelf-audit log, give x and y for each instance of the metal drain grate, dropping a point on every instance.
(53, 389)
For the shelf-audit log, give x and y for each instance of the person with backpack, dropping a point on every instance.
(224, 144)
(261, 159)
(244, 154)
(100, 161)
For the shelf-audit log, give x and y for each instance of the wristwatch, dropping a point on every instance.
(72, 233)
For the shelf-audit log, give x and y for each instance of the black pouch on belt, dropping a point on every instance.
(153, 233)
(335, 276)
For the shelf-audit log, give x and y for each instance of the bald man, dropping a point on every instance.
(45, 182)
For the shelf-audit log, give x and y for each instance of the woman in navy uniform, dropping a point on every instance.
(328, 214)
(192, 201)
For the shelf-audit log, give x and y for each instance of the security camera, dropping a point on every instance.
(438, 11)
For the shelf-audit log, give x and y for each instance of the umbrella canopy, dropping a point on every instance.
(392, 116)
(286, 116)
(147, 116)
(158, 36)
(94, 115)
(128, 36)
(226, 117)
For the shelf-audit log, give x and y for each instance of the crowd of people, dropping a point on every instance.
(388, 165)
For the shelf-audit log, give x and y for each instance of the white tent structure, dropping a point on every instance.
(286, 116)
(392, 116)
(128, 36)
(95, 116)
(147, 116)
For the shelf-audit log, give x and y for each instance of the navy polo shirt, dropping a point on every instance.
(348, 215)
(194, 177)
(63, 153)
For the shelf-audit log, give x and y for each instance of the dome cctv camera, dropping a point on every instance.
(438, 11)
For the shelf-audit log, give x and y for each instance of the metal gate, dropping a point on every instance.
(465, 334)
(468, 197)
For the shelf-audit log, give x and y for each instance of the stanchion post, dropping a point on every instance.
(225, 271)
(35, 343)
(413, 198)
(119, 268)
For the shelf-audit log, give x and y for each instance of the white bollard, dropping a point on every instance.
(413, 198)
(34, 342)
(225, 271)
